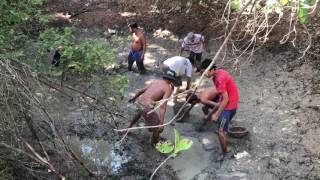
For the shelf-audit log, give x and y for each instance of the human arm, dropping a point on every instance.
(188, 83)
(183, 45)
(144, 46)
(207, 95)
(204, 100)
(181, 51)
(202, 38)
(188, 73)
(141, 91)
(163, 107)
(204, 48)
(223, 104)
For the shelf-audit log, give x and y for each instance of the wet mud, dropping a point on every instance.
(274, 106)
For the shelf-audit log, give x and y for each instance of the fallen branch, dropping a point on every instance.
(154, 172)
(42, 160)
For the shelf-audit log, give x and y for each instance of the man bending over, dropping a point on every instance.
(182, 67)
(147, 97)
(228, 103)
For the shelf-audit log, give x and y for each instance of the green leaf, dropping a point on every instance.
(57, 73)
(176, 139)
(235, 5)
(284, 2)
(183, 144)
(37, 2)
(303, 11)
(165, 147)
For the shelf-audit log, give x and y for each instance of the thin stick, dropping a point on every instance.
(154, 172)
(43, 160)
(165, 100)
(124, 136)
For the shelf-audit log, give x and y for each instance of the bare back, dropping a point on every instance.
(209, 93)
(138, 40)
(155, 92)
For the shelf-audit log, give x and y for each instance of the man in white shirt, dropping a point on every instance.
(195, 44)
(182, 67)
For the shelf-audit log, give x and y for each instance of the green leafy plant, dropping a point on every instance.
(168, 147)
(235, 5)
(16, 17)
(52, 38)
(90, 56)
(84, 58)
(303, 13)
(117, 85)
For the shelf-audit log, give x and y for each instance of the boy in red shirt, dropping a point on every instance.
(228, 103)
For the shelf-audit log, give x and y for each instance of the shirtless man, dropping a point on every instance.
(138, 48)
(209, 98)
(147, 97)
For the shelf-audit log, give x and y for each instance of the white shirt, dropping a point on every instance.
(180, 65)
(195, 46)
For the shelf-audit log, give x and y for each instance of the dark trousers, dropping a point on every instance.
(195, 58)
(135, 56)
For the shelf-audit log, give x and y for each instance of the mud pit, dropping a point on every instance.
(275, 106)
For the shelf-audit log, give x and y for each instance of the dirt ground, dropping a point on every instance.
(275, 105)
(279, 105)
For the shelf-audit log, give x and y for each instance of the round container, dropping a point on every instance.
(238, 132)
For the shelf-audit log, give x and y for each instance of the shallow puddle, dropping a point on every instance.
(193, 161)
(98, 154)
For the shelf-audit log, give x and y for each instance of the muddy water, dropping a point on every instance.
(205, 146)
(99, 154)
(191, 162)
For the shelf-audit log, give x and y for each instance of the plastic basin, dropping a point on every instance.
(238, 132)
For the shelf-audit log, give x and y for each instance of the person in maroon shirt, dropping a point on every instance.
(228, 103)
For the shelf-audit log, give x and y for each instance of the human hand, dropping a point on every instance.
(214, 117)
(235, 65)
(216, 104)
(142, 58)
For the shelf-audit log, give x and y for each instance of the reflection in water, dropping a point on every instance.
(99, 153)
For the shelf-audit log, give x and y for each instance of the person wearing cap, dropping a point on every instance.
(182, 67)
(226, 88)
(147, 97)
(138, 48)
(195, 44)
